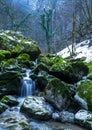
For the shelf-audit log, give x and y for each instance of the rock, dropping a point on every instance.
(42, 80)
(9, 83)
(84, 118)
(58, 94)
(66, 116)
(9, 100)
(70, 72)
(24, 59)
(3, 107)
(84, 91)
(14, 122)
(16, 44)
(37, 108)
(89, 76)
(81, 102)
(56, 116)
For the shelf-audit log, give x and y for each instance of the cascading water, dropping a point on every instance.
(28, 85)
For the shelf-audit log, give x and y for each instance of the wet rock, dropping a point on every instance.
(66, 116)
(9, 83)
(56, 116)
(70, 72)
(14, 122)
(89, 76)
(37, 108)
(84, 118)
(58, 94)
(16, 44)
(84, 91)
(9, 100)
(42, 80)
(3, 107)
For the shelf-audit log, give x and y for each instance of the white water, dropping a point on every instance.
(28, 85)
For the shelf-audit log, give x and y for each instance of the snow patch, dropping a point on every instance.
(82, 49)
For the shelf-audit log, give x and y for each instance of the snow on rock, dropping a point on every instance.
(83, 49)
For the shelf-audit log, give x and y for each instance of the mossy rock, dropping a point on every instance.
(69, 72)
(89, 76)
(13, 121)
(3, 107)
(89, 65)
(10, 83)
(9, 100)
(2, 56)
(84, 119)
(9, 62)
(36, 107)
(42, 80)
(44, 59)
(84, 91)
(41, 67)
(7, 54)
(16, 44)
(24, 59)
(9, 75)
(58, 93)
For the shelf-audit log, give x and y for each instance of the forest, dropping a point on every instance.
(45, 64)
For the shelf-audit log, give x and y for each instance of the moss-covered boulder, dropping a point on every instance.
(14, 122)
(6, 54)
(59, 94)
(9, 83)
(84, 91)
(69, 72)
(3, 107)
(42, 80)
(89, 65)
(24, 59)
(89, 76)
(84, 119)
(16, 44)
(9, 100)
(37, 108)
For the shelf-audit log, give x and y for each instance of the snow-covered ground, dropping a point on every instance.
(83, 49)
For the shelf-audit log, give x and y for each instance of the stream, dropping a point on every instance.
(28, 88)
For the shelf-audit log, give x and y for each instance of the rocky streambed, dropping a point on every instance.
(40, 92)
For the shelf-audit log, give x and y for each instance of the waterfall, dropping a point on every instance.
(28, 85)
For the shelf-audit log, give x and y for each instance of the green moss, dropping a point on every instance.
(89, 65)
(85, 91)
(89, 76)
(9, 100)
(43, 59)
(59, 87)
(2, 56)
(10, 62)
(16, 44)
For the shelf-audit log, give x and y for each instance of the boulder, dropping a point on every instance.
(14, 122)
(84, 118)
(70, 72)
(42, 80)
(9, 100)
(3, 107)
(89, 76)
(58, 93)
(16, 44)
(66, 116)
(37, 108)
(84, 91)
(9, 83)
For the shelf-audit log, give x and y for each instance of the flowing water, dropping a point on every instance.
(28, 85)
(28, 88)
